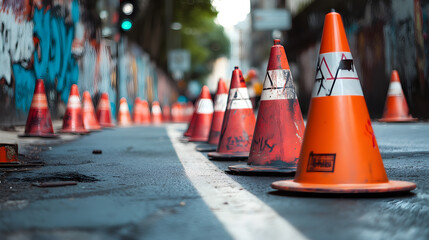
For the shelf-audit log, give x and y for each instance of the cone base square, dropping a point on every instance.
(206, 148)
(47, 135)
(228, 157)
(398, 119)
(371, 188)
(252, 169)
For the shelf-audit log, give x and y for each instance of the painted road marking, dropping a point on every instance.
(245, 216)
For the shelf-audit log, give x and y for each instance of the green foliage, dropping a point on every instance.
(205, 40)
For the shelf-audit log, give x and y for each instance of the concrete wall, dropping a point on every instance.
(59, 42)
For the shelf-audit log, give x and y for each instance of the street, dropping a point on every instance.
(148, 184)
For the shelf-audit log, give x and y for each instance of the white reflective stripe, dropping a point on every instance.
(39, 101)
(74, 102)
(205, 106)
(123, 107)
(88, 106)
(278, 84)
(395, 89)
(220, 102)
(239, 99)
(156, 109)
(104, 105)
(346, 81)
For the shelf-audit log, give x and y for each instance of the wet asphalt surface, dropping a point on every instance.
(137, 189)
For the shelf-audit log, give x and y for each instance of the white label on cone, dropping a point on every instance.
(239, 99)
(205, 106)
(39, 101)
(74, 102)
(123, 108)
(220, 102)
(278, 84)
(336, 76)
(156, 109)
(395, 89)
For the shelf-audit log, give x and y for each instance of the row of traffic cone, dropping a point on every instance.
(336, 153)
(80, 120)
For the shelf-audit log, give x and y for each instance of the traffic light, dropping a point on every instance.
(127, 10)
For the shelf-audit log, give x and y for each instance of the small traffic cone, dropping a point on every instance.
(279, 126)
(104, 114)
(166, 114)
(189, 110)
(39, 123)
(191, 126)
(156, 113)
(146, 112)
(339, 153)
(138, 111)
(396, 108)
(90, 121)
(73, 121)
(176, 112)
(238, 123)
(124, 117)
(203, 119)
(221, 99)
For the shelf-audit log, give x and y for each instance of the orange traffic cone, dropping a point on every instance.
(166, 114)
(146, 112)
(176, 112)
(191, 126)
(138, 111)
(339, 153)
(156, 113)
(279, 126)
(104, 114)
(188, 111)
(203, 119)
(396, 108)
(73, 121)
(221, 99)
(238, 123)
(124, 117)
(39, 123)
(90, 121)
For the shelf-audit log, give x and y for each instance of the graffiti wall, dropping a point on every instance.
(60, 42)
(383, 36)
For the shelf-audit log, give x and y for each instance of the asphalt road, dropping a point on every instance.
(147, 184)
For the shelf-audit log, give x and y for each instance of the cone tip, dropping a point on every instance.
(334, 37)
(394, 76)
(205, 92)
(74, 90)
(236, 67)
(276, 41)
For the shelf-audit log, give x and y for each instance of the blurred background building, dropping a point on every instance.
(166, 50)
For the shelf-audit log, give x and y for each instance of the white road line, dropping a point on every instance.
(243, 215)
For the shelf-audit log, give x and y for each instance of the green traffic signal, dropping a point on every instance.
(126, 24)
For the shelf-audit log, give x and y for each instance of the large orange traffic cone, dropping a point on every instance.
(166, 113)
(90, 121)
(339, 153)
(191, 126)
(39, 123)
(124, 117)
(104, 114)
(221, 99)
(279, 126)
(73, 121)
(204, 116)
(156, 113)
(396, 108)
(238, 123)
(138, 111)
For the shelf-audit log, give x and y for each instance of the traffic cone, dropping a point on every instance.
(166, 114)
(203, 119)
(8, 154)
(39, 123)
(124, 117)
(104, 115)
(146, 112)
(73, 121)
(339, 153)
(238, 123)
(221, 99)
(90, 121)
(279, 126)
(191, 126)
(138, 111)
(176, 112)
(156, 113)
(189, 110)
(396, 108)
